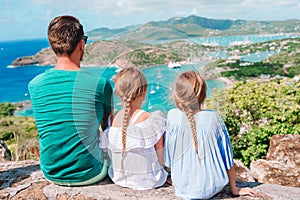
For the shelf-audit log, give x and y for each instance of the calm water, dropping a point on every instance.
(160, 80)
(14, 81)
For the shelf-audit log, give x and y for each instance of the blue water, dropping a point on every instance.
(14, 81)
(230, 40)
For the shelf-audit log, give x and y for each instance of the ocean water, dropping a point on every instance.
(231, 40)
(14, 81)
(160, 84)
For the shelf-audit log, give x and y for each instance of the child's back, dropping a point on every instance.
(195, 177)
(197, 144)
(135, 139)
(139, 168)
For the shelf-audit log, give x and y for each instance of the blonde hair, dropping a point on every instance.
(189, 96)
(130, 83)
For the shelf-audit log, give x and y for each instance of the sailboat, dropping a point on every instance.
(157, 86)
(159, 74)
(152, 91)
(149, 105)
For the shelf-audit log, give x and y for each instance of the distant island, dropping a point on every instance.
(194, 26)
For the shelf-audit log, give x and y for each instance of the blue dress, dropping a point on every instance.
(194, 179)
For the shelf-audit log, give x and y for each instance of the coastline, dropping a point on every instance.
(24, 108)
(228, 82)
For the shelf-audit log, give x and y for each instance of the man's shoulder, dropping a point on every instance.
(37, 79)
(90, 76)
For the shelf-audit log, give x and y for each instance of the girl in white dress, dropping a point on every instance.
(135, 138)
(197, 144)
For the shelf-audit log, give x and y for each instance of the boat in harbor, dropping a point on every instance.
(173, 65)
(159, 74)
(152, 91)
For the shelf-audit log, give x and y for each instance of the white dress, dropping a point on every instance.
(141, 169)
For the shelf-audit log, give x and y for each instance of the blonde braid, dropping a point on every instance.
(126, 102)
(190, 115)
(189, 95)
(130, 83)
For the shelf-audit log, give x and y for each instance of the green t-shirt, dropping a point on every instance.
(68, 108)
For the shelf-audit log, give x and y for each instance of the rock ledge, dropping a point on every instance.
(24, 180)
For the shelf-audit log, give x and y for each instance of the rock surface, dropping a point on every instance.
(24, 180)
(285, 149)
(282, 165)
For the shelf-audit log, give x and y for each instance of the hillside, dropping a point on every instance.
(195, 26)
(103, 53)
(285, 63)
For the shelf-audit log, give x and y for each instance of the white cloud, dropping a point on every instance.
(119, 13)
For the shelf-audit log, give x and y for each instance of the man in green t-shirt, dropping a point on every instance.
(69, 105)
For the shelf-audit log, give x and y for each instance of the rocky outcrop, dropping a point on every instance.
(242, 172)
(282, 165)
(44, 57)
(285, 149)
(5, 154)
(275, 172)
(24, 180)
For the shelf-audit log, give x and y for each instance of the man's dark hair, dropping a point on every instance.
(64, 33)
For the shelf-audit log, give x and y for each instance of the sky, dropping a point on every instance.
(28, 19)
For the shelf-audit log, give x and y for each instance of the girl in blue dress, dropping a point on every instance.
(197, 144)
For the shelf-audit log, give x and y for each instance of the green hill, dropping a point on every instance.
(195, 26)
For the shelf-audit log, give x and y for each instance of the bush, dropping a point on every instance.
(7, 109)
(19, 134)
(255, 111)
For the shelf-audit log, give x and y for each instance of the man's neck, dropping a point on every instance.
(65, 63)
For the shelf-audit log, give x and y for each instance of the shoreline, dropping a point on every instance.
(24, 108)
(228, 82)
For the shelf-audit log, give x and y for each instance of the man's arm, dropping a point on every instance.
(104, 123)
(108, 105)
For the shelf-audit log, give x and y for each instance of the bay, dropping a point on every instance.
(14, 81)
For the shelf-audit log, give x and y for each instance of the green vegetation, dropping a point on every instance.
(255, 111)
(150, 56)
(18, 133)
(253, 70)
(284, 45)
(7, 109)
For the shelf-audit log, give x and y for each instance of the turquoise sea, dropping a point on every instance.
(14, 81)
(160, 82)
